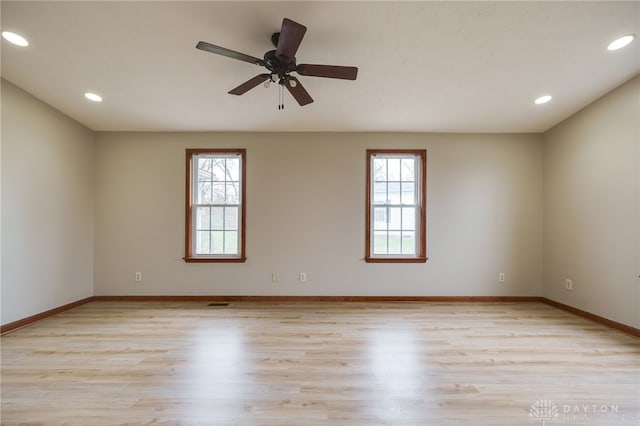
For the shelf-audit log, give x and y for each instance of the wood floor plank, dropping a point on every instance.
(263, 363)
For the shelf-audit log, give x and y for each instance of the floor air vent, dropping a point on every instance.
(217, 305)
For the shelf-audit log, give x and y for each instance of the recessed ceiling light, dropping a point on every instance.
(621, 42)
(93, 97)
(543, 99)
(14, 38)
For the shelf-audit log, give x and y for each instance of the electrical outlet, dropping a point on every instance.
(138, 277)
(568, 284)
(303, 277)
(275, 277)
(501, 277)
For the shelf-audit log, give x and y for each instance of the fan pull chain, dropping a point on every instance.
(281, 98)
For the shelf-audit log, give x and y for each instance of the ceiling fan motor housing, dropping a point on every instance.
(274, 39)
(280, 65)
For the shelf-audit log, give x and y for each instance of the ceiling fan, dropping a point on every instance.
(281, 62)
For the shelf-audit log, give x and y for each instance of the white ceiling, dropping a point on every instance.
(423, 66)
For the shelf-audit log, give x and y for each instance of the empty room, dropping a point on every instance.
(320, 213)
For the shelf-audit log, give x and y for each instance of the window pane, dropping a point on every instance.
(217, 242)
(218, 170)
(408, 242)
(204, 169)
(408, 193)
(395, 217)
(231, 218)
(408, 218)
(395, 242)
(380, 218)
(233, 169)
(202, 242)
(379, 169)
(408, 169)
(233, 193)
(217, 218)
(380, 242)
(231, 242)
(202, 218)
(203, 195)
(393, 169)
(394, 193)
(380, 193)
(218, 196)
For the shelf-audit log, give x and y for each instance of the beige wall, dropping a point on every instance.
(305, 212)
(47, 207)
(591, 207)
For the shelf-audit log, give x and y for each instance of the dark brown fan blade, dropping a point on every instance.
(203, 45)
(290, 38)
(329, 71)
(298, 92)
(250, 84)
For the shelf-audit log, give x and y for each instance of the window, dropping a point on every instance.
(396, 197)
(215, 205)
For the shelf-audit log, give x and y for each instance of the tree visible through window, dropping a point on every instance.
(215, 205)
(396, 230)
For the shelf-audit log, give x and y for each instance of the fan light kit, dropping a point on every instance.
(281, 62)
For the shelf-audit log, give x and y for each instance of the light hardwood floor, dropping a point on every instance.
(160, 363)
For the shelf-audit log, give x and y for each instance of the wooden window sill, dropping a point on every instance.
(214, 259)
(396, 259)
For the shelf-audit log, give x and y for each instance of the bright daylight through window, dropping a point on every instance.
(396, 230)
(215, 205)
